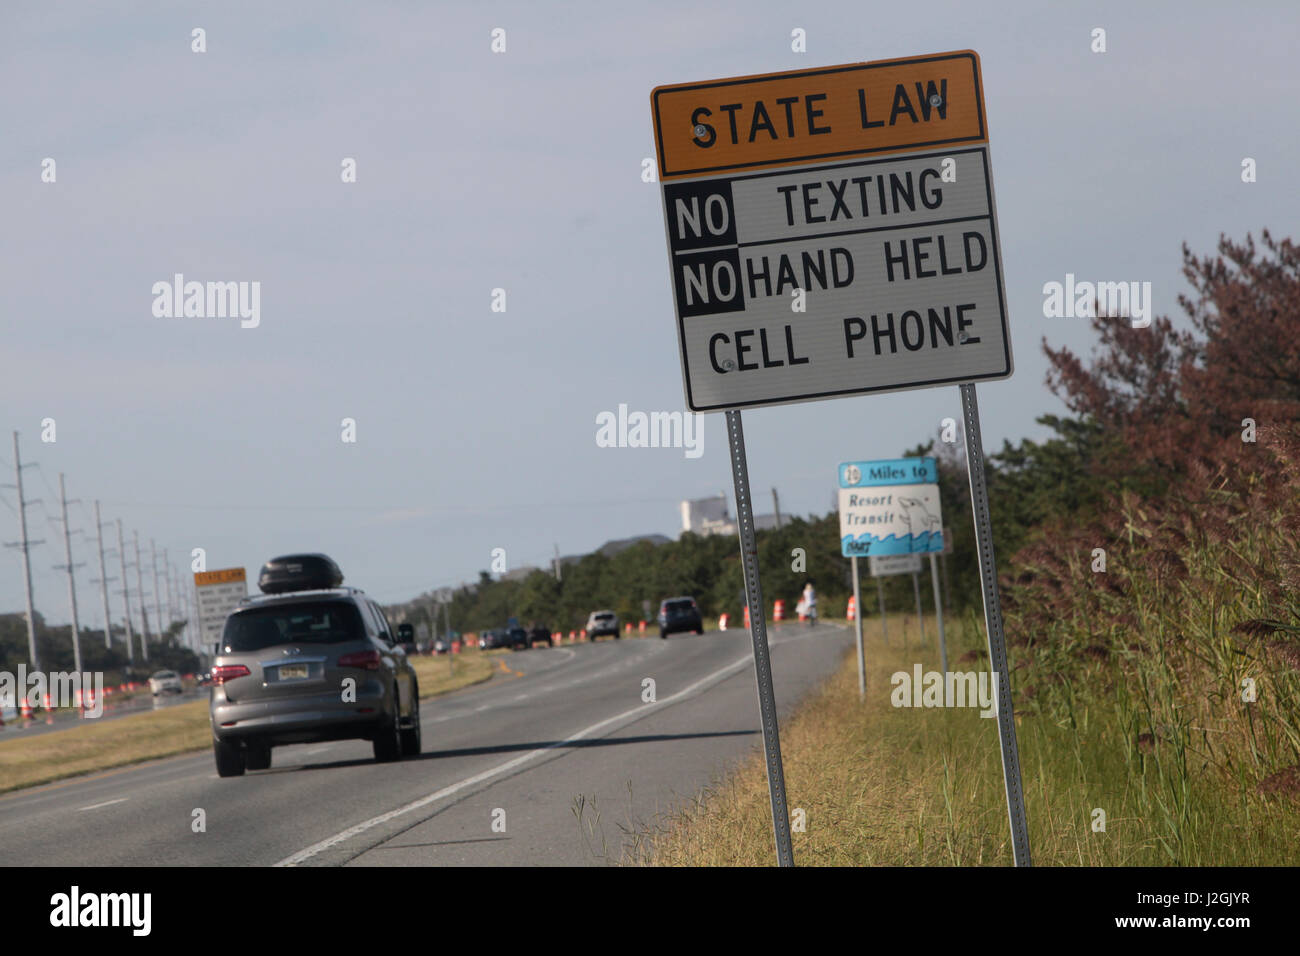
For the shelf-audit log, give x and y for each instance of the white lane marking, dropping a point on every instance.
(316, 750)
(106, 803)
(639, 711)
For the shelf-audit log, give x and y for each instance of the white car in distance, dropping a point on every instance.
(166, 682)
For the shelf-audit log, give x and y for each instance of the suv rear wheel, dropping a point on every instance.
(257, 757)
(230, 759)
(388, 742)
(411, 735)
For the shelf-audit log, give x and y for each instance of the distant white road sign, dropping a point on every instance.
(219, 593)
(887, 564)
(889, 507)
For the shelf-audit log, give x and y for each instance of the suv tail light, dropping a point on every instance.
(226, 672)
(362, 660)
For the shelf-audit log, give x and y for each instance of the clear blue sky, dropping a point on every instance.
(475, 171)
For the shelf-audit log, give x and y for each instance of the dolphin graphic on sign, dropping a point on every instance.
(918, 518)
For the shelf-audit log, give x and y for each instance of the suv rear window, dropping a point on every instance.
(323, 623)
(679, 605)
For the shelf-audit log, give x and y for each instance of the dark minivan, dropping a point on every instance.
(679, 614)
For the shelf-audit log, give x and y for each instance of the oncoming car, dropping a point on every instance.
(166, 682)
(308, 661)
(602, 622)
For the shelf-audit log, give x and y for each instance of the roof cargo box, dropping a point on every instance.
(299, 572)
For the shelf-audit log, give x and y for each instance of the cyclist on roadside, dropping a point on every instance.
(810, 603)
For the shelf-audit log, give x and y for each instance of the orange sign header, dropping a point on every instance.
(804, 116)
(226, 576)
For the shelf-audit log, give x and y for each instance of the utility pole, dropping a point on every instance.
(186, 609)
(776, 505)
(167, 577)
(144, 609)
(25, 545)
(103, 579)
(557, 561)
(72, 577)
(126, 597)
(157, 594)
(195, 618)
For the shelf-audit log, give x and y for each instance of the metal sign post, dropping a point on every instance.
(880, 599)
(920, 619)
(758, 635)
(889, 564)
(938, 612)
(857, 627)
(993, 623)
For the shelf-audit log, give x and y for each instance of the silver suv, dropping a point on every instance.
(316, 663)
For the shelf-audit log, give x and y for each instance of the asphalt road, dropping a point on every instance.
(519, 752)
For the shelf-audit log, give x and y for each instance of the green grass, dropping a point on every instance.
(908, 786)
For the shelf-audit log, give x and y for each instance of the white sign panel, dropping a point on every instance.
(898, 519)
(886, 564)
(889, 506)
(875, 275)
(218, 593)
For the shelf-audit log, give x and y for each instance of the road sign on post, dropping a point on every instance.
(218, 593)
(890, 507)
(886, 565)
(831, 232)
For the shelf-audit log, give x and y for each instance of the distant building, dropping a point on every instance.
(705, 516)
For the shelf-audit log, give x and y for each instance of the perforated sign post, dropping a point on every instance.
(832, 232)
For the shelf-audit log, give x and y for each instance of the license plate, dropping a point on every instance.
(293, 672)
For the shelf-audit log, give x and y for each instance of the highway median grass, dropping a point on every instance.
(911, 786)
(90, 747)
